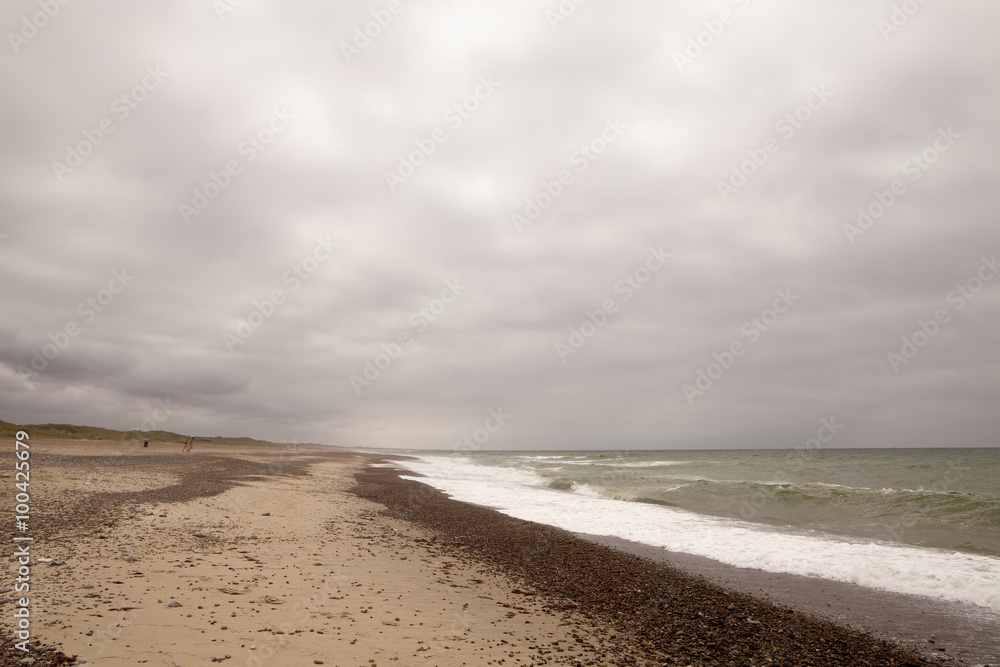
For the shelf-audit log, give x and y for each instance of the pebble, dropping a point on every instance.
(93, 510)
(659, 615)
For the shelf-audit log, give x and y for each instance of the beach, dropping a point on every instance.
(282, 556)
(264, 556)
(504, 333)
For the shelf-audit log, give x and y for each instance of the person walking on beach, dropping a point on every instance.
(188, 445)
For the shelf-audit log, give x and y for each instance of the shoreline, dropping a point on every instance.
(928, 625)
(253, 556)
(965, 632)
(291, 557)
(670, 619)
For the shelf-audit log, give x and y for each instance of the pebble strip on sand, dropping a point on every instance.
(262, 556)
(94, 512)
(670, 618)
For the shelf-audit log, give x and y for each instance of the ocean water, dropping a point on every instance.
(918, 521)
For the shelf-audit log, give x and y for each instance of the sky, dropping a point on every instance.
(504, 225)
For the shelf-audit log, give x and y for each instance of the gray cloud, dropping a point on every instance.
(202, 283)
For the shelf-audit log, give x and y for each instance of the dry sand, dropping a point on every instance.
(263, 556)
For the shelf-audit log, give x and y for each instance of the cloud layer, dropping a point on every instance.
(368, 225)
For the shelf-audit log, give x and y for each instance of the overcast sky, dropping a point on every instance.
(216, 218)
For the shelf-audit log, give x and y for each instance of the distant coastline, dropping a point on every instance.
(74, 432)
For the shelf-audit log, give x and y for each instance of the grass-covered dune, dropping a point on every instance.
(72, 432)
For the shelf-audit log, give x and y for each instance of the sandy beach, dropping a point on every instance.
(269, 555)
(500, 333)
(263, 556)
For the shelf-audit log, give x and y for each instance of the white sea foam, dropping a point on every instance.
(904, 569)
(645, 464)
(588, 490)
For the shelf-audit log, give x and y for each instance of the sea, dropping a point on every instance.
(913, 521)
